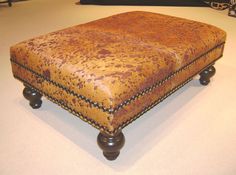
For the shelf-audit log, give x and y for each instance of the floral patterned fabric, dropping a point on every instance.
(222, 5)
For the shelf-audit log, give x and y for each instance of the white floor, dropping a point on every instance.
(193, 132)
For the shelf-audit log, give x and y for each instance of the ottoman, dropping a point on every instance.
(110, 71)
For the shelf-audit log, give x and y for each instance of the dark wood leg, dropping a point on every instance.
(9, 3)
(33, 96)
(111, 145)
(206, 74)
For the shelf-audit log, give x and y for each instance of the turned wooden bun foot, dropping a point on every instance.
(33, 96)
(111, 145)
(206, 74)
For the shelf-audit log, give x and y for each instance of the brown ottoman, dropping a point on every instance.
(110, 71)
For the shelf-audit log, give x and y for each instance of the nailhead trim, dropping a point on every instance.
(157, 84)
(150, 106)
(94, 123)
(87, 100)
(64, 106)
(146, 109)
(103, 128)
(126, 102)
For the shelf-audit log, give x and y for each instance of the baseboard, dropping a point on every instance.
(146, 2)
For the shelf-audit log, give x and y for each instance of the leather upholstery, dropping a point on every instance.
(111, 70)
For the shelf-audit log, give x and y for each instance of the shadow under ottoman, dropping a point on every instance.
(110, 71)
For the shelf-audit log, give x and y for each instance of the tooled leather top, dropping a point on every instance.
(112, 59)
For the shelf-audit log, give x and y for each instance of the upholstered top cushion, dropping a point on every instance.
(112, 59)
